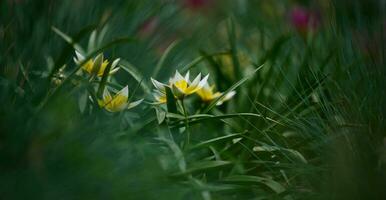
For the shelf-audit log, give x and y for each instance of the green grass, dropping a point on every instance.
(307, 120)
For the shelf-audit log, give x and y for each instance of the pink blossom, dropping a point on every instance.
(304, 19)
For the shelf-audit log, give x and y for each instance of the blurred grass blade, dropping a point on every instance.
(170, 101)
(233, 47)
(132, 70)
(269, 148)
(177, 153)
(68, 50)
(217, 139)
(200, 59)
(273, 52)
(275, 186)
(92, 42)
(82, 102)
(220, 117)
(26, 77)
(69, 40)
(102, 34)
(204, 165)
(163, 58)
(233, 87)
(103, 81)
(221, 79)
(161, 114)
(175, 116)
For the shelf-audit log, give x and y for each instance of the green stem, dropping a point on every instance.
(187, 142)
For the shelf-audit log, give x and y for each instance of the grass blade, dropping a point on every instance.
(233, 87)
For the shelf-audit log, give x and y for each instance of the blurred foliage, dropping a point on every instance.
(307, 121)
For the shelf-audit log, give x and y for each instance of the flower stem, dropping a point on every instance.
(187, 141)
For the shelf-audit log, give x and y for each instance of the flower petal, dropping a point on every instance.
(227, 96)
(177, 91)
(187, 77)
(116, 108)
(203, 81)
(106, 95)
(178, 76)
(79, 56)
(158, 85)
(115, 63)
(134, 104)
(124, 92)
(113, 71)
(196, 81)
(97, 64)
(102, 68)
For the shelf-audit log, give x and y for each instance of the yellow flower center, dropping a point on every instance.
(182, 85)
(161, 99)
(89, 67)
(206, 94)
(116, 104)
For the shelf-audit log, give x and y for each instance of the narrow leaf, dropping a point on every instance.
(233, 87)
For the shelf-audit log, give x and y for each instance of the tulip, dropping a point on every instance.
(118, 102)
(207, 95)
(182, 86)
(97, 65)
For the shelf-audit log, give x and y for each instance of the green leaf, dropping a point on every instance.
(205, 165)
(134, 104)
(83, 101)
(161, 114)
(101, 35)
(69, 40)
(217, 139)
(274, 50)
(92, 41)
(233, 87)
(200, 59)
(218, 117)
(221, 78)
(233, 48)
(275, 186)
(163, 58)
(177, 153)
(132, 70)
(269, 148)
(170, 101)
(175, 116)
(68, 50)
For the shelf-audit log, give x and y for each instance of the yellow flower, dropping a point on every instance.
(159, 97)
(92, 65)
(207, 95)
(181, 86)
(118, 102)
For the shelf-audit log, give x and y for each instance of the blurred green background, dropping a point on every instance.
(319, 92)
